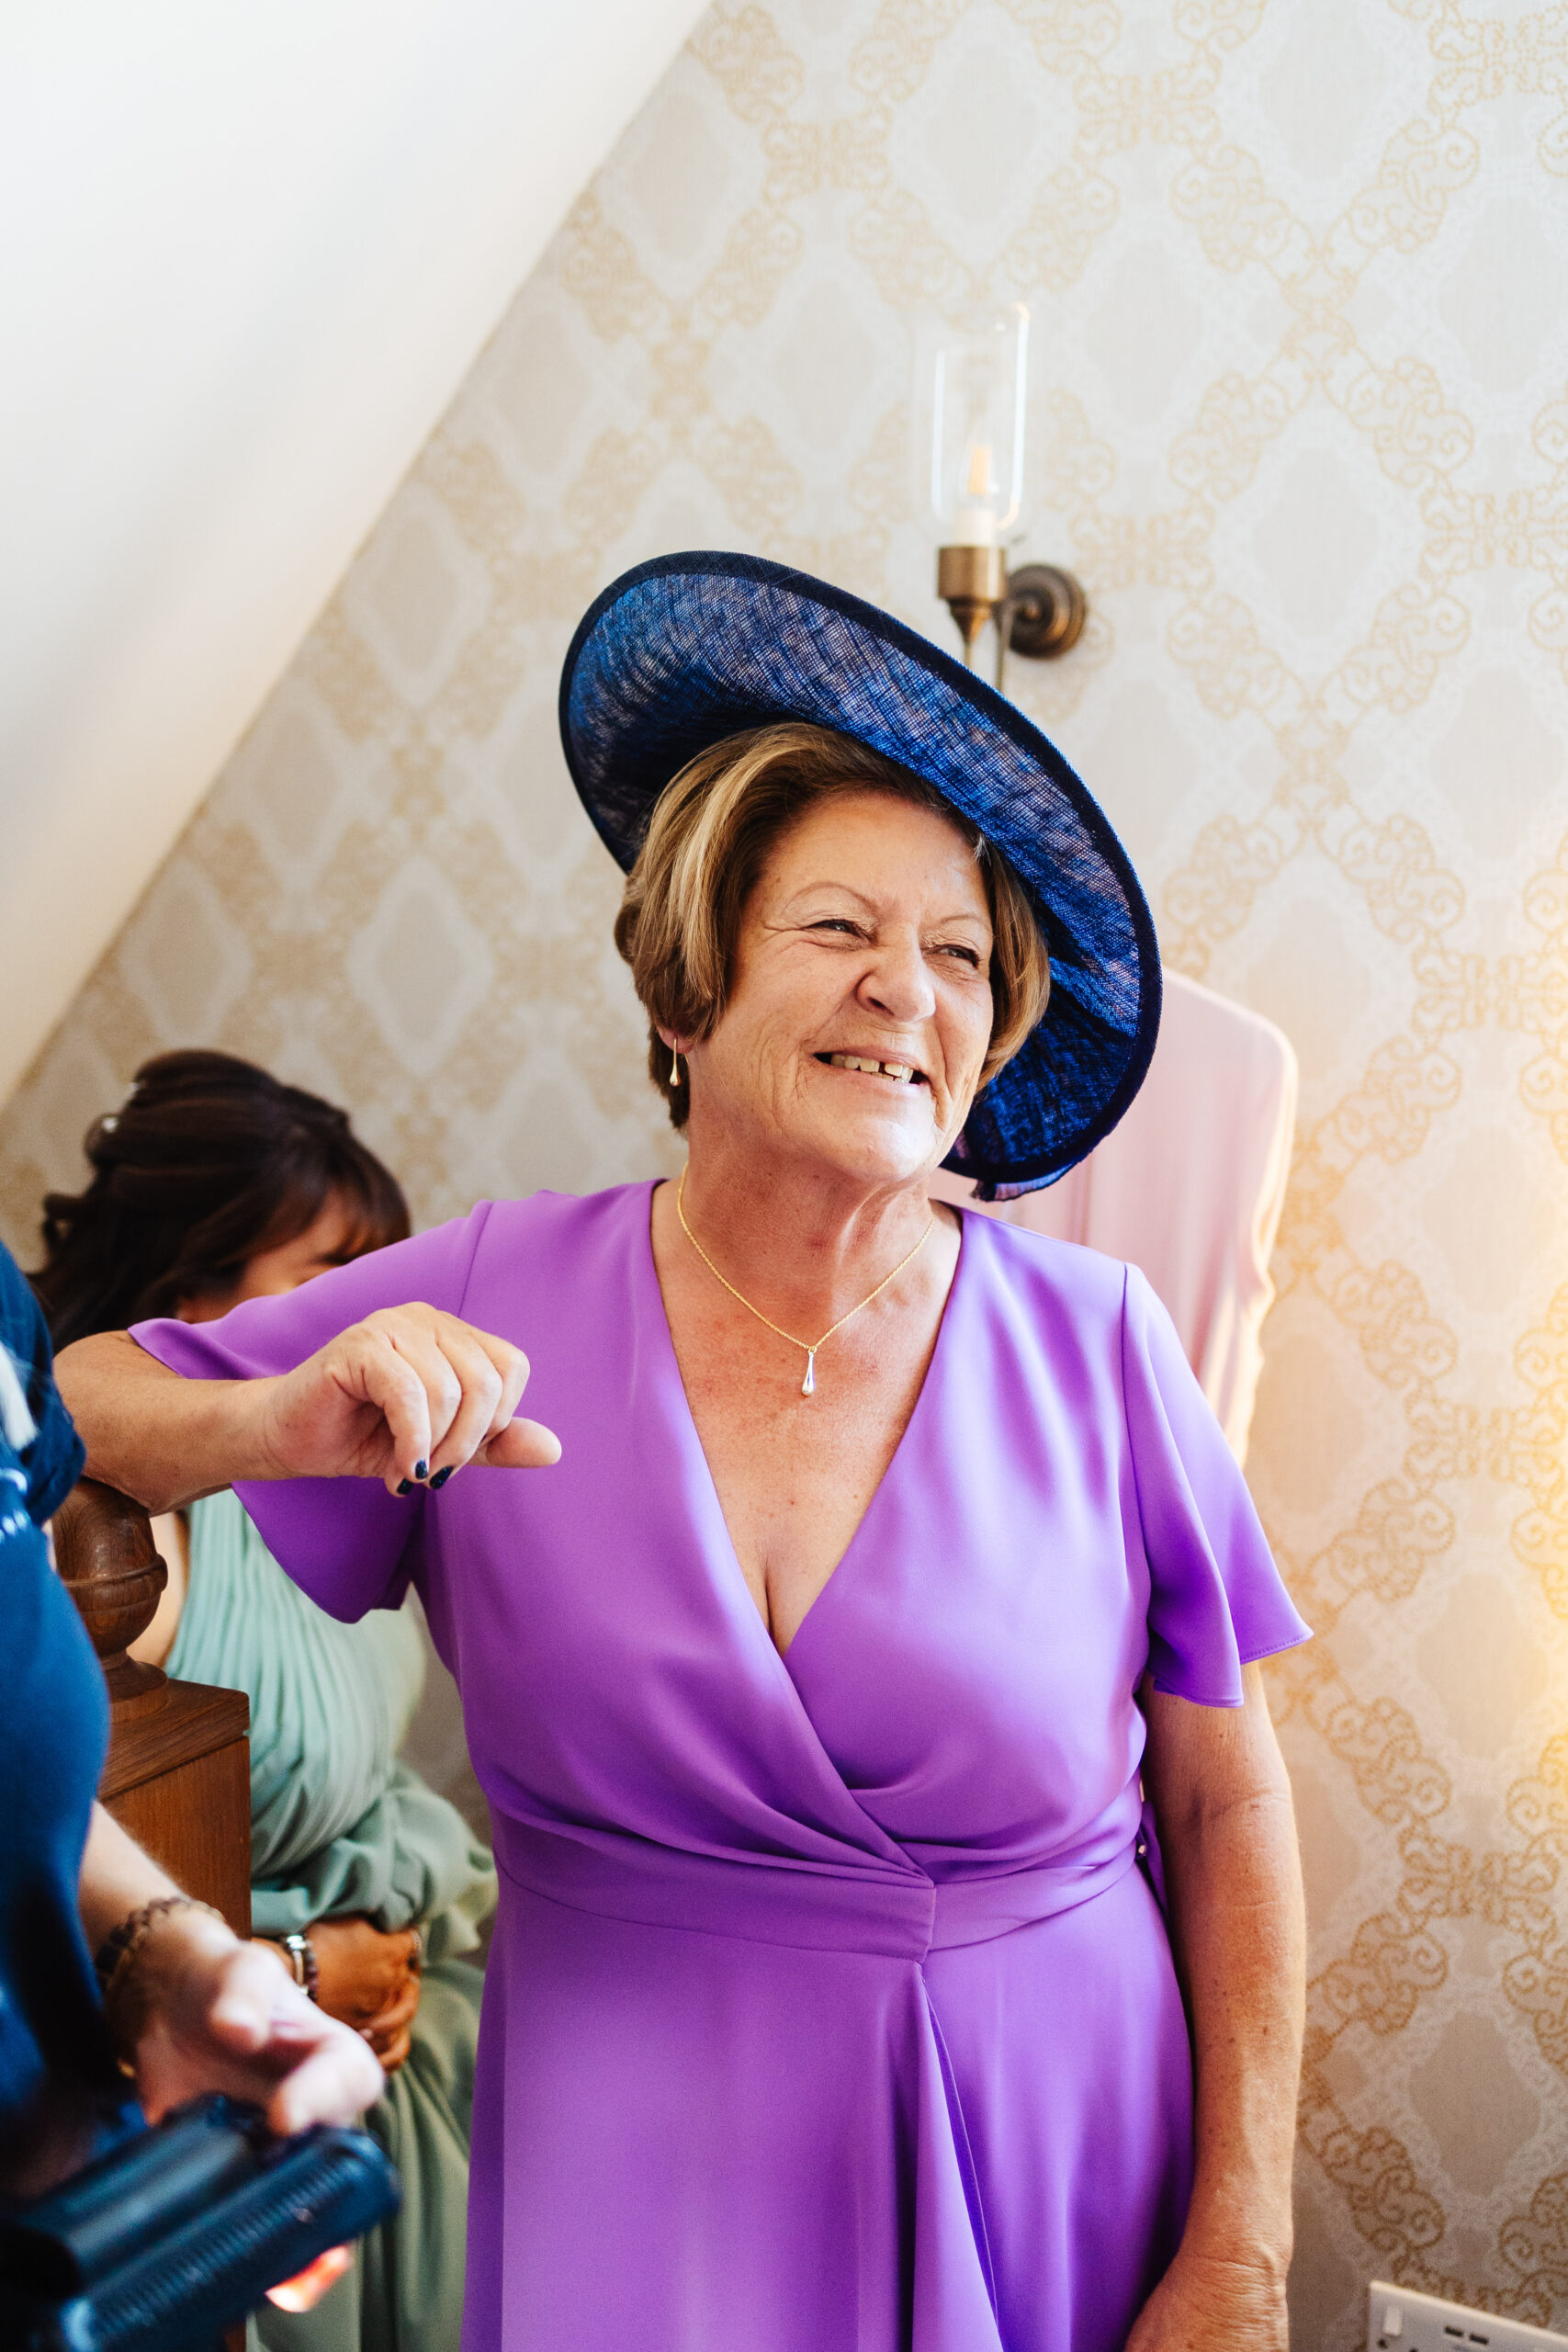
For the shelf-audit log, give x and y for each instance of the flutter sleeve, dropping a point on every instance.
(347, 1542)
(1216, 1601)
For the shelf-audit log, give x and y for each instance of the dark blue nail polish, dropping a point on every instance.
(405, 1486)
(422, 1469)
(441, 1477)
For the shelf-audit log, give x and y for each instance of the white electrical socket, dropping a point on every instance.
(1401, 2321)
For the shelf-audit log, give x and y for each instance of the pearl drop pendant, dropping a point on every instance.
(808, 1386)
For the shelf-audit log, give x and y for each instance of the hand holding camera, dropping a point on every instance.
(204, 2011)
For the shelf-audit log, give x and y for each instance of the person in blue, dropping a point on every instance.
(189, 2007)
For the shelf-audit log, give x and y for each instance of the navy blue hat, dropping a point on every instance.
(681, 652)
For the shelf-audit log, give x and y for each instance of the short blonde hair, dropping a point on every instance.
(711, 834)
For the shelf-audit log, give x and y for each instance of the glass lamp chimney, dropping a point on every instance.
(974, 373)
(979, 374)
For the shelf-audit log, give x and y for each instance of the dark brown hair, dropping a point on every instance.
(711, 834)
(209, 1162)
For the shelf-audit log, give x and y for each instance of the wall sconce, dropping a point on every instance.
(973, 377)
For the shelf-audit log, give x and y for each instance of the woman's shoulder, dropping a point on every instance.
(559, 1247)
(559, 1217)
(560, 1224)
(1051, 1305)
(1012, 1256)
(531, 1237)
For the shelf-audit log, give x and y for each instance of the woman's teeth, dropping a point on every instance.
(902, 1071)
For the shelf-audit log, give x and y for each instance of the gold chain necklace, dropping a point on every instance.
(808, 1386)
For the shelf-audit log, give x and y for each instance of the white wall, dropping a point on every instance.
(248, 253)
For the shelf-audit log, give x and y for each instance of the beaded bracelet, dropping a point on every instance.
(115, 1960)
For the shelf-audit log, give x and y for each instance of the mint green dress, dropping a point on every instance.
(339, 1826)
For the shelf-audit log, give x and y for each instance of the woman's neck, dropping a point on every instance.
(804, 1242)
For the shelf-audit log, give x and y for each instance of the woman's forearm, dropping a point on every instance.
(1232, 1875)
(117, 1878)
(1237, 1927)
(201, 2011)
(163, 1440)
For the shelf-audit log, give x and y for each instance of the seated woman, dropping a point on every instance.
(214, 1184)
(886, 1557)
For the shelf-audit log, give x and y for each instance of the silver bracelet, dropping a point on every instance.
(303, 1961)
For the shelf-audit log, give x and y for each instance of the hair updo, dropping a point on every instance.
(209, 1162)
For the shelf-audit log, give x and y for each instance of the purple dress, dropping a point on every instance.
(830, 2009)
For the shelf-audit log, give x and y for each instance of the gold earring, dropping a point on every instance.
(674, 1067)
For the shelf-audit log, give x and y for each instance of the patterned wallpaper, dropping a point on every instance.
(1300, 277)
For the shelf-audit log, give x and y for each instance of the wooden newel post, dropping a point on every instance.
(178, 1772)
(103, 1545)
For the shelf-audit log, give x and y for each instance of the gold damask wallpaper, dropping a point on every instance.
(1300, 279)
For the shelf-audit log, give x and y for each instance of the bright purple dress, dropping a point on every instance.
(830, 2009)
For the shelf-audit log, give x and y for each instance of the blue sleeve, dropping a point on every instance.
(44, 1438)
(54, 1728)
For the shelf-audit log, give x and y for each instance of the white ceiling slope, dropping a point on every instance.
(249, 254)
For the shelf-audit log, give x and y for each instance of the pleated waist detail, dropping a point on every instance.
(775, 1900)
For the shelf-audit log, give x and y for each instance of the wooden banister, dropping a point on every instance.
(178, 1772)
(110, 1565)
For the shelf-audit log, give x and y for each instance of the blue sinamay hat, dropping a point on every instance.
(681, 652)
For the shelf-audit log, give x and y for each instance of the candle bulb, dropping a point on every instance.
(975, 522)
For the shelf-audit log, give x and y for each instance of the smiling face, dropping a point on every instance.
(861, 1008)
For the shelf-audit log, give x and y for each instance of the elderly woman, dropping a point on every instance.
(886, 1560)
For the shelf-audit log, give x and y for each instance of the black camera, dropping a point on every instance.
(179, 2231)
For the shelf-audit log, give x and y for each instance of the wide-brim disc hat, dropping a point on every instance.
(681, 652)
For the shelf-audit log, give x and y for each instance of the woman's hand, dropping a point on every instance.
(409, 1395)
(1208, 2301)
(214, 2014)
(369, 1979)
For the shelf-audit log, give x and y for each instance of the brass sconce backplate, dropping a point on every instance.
(1040, 610)
(1046, 611)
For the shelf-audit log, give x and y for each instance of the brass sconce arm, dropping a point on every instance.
(1039, 610)
(972, 581)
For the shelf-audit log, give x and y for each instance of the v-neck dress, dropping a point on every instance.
(831, 2007)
